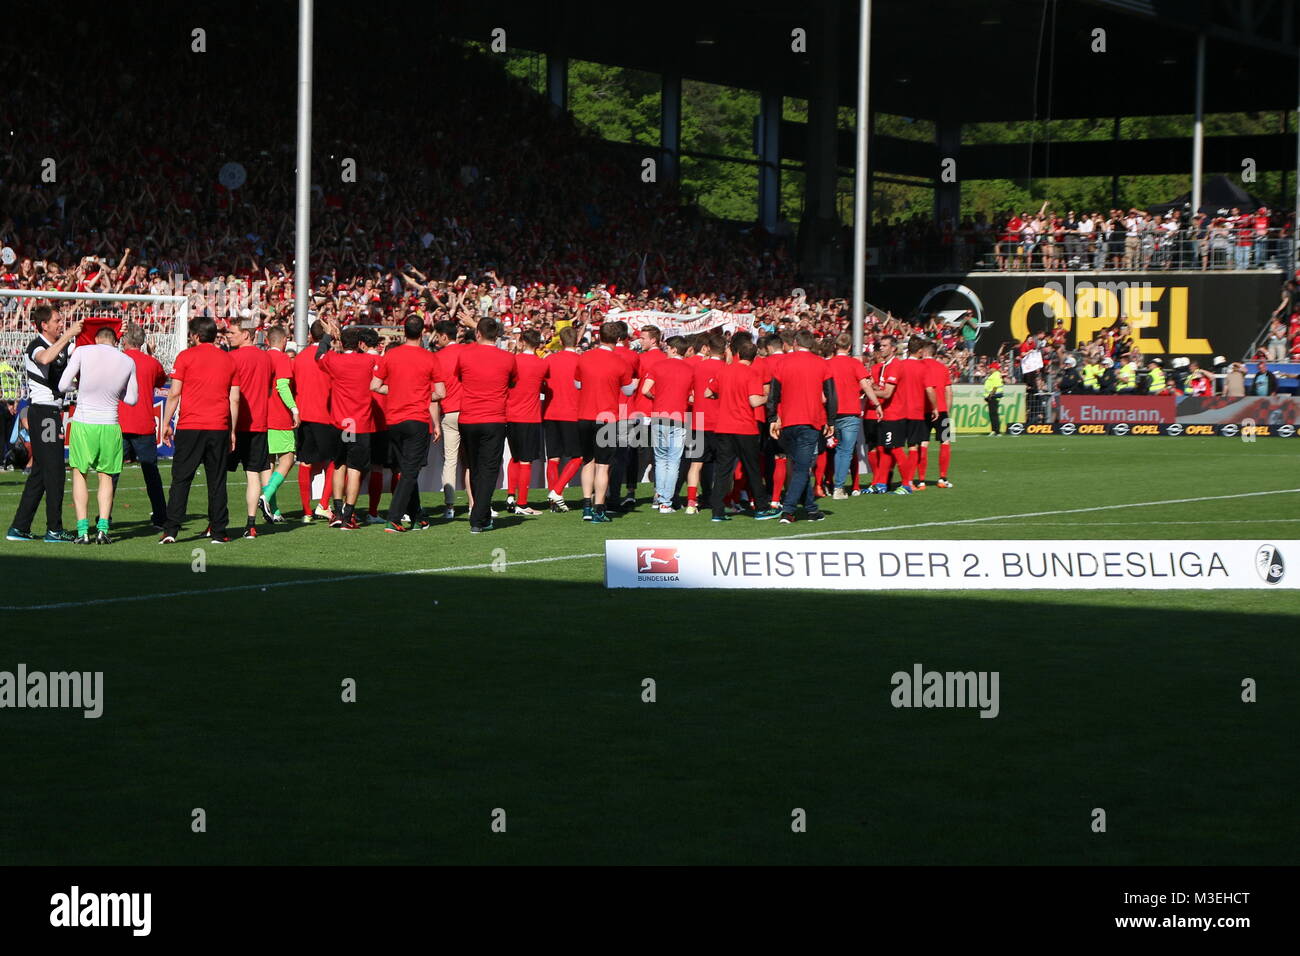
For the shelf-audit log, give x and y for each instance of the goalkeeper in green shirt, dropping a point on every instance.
(281, 420)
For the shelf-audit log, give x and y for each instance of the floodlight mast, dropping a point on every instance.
(302, 199)
(860, 178)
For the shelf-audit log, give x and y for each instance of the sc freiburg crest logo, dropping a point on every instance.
(1269, 564)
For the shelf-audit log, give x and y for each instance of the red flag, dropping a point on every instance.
(94, 323)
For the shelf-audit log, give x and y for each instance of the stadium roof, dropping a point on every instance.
(938, 59)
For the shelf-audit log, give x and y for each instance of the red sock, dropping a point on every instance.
(305, 474)
(327, 492)
(691, 492)
(552, 473)
(903, 459)
(922, 462)
(884, 465)
(376, 490)
(778, 479)
(820, 473)
(566, 476)
(945, 452)
(523, 475)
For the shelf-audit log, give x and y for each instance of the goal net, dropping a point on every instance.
(164, 319)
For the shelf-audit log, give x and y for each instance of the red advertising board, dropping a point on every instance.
(1113, 409)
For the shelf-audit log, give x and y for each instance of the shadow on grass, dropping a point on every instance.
(525, 693)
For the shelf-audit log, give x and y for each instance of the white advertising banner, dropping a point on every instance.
(926, 565)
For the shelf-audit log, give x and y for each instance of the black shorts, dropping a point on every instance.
(700, 447)
(941, 427)
(917, 429)
(893, 433)
(318, 443)
(250, 451)
(598, 441)
(354, 454)
(768, 446)
(380, 457)
(870, 433)
(562, 439)
(525, 440)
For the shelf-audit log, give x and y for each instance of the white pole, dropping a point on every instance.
(860, 178)
(1295, 223)
(1199, 129)
(302, 225)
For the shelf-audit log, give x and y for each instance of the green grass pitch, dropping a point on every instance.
(520, 689)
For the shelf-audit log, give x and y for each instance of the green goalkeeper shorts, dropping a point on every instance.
(279, 441)
(95, 448)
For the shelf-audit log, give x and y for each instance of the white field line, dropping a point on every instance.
(335, 579)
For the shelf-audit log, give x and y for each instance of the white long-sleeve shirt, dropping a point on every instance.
(107, 377)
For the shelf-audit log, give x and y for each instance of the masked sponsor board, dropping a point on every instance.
(1117, 409)
(970, 412)
(947, 564)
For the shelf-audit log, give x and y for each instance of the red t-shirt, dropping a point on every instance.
(311, 387)
(733, 384)
(602, 374)
(705, 408)
(207, 374)
(349, 382)
(848, 373)
(935, 376)
(908, 398)
(524, 404)
(673, 380)
(649, 361)
(485, 373)
(803, 402)
(763, 365)
(138, 419)
(409, 371)
(561, 393)
(278, 415)
(446, 363)
(253, 376)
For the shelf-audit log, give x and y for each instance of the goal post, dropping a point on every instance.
(164, 319)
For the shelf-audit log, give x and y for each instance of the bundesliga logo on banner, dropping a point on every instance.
(657, 563)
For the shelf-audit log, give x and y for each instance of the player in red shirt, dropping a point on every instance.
(317, 440)
(938, 400)
(453, 465)
(524, 422)
(139, 427)
(778, 347)
(898, 386)
(486, 375)
(710, 347)
(255, 377)
(205, 432)
(803, 403)
(667, 390)
(739, 389)
(408, 378)
(603, 380)
(560, 418)
(852, 382)
(281, 422)
(350, 374)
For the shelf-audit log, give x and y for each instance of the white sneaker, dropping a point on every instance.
(855, 492)
(692, 510)
(840, 495)
(493, 513)
(510, 504)
(665, 509)
(322, 513)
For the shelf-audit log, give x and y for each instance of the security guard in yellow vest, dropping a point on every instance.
(1126, 376)
(9, 382)
(1157, 373)
(993, 397)
(1091, 374)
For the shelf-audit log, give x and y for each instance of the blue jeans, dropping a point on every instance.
(1241, 256)
(801, 448)
(668, 438)
(848, 429)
